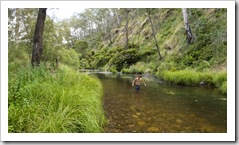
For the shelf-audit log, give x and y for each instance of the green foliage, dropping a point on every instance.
(220, 78)
(84, 64)
(169, 64)
(223, 87)
(140, 67)
(117, 58)
(68, 56)
(206, 25)
(207, 46)
(54, 101)
(192, 77)
(21, 24)
(102, 57)
(101, 46)
(51, 41)
(18, 56)
(124, 58)
(113, 69)
(183, 77)
(80, 46)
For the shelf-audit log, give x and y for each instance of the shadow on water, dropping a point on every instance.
(161, 107)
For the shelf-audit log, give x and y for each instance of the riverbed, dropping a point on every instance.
(161, 107)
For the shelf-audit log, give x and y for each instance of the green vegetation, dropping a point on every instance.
(192, 77)
(58, 101)
(139, 67)
(206, 55)
(56, 98)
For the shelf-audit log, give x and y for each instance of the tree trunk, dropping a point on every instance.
(38, 38)
(187, 26)
(154, 35)
(117, 16)
(57, 62)
(126, 28)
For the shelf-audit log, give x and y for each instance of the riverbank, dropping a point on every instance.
(188, 77)
(54, 101)
(194, 78)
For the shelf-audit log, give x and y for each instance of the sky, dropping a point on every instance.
(63, 13)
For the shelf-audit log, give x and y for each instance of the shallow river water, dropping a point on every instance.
(161, 107)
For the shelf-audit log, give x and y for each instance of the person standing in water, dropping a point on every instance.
(137, 82)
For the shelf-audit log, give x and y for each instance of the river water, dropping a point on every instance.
(161, 107)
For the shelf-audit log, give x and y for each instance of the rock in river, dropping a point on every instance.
(134, 116)
(179, 121)
(138, 114)
(141, 123)
(153, 129)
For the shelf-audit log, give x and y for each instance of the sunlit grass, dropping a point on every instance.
(192, 77)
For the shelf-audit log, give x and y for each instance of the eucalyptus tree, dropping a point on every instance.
(149, 11)
(115, 12)
(38, 37)
(53, 40)
(126, 12)
(78, 26)
(64, 30)
(100, 19)
(21, 26)
(104, 21)
(187, 26)
(111, 19)
(89, 17)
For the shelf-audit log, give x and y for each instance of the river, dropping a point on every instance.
(161, 107)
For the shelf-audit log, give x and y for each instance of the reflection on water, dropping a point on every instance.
(161, 107)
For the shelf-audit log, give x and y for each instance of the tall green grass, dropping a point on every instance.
(60, 101)
(192, 77)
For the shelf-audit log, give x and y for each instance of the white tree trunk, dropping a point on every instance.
(185, 15)
(117, 16)
(187, 26)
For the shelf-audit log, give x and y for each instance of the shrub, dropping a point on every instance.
(139, 67)
(69, 57)
(124, 58)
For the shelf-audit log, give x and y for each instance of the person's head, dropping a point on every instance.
(139, 76)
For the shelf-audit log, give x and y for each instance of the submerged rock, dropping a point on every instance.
(138, 114)
(207, 129)
(153, 129)
(131, 125)
(179, 121)
(141, 123)
(202, 83)
(134, 116)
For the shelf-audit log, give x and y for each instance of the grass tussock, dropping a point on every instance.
(54, 102)
(192, 77)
